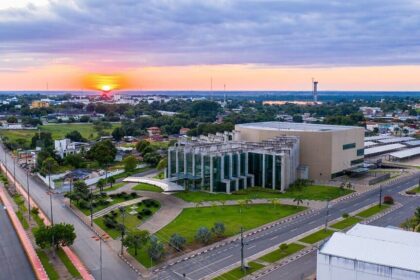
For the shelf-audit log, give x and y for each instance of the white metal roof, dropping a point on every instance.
(379, 137)
(383, 149)
(396, 140)
(406, 153)
(377, 245)
(413, 143)
(295, 126)
(370, 144)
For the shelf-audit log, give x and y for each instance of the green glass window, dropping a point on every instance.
(349, 146)
(360, 152)
(356, 161)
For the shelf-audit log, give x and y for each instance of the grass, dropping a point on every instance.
(147, 187)
(127, 174)
(20, 202)
(160, 176)
(347, 222)
(237, 273)
(49, 268)
(115, 200)
(314, 192)
(68, 264)
(130, 221)
(115, 187)
(251, 217)
(317, 236)
(278, 254)
(372, 211)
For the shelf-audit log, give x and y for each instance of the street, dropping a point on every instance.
(84, 246)
(14, 264)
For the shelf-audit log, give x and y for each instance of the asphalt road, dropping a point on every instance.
(14, 264)
(307, 264)
(222, 257)
(85, 246)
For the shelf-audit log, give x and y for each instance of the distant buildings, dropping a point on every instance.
(39, 104)
(154, 133)
(66, 147)
(327, 150)
(370, 253)
(184, 131)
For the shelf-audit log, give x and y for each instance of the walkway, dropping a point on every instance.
(105, 211)
(163, 184)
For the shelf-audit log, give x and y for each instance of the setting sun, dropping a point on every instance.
(106, 88)
(105, 82)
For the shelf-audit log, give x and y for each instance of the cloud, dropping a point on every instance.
(130, 33)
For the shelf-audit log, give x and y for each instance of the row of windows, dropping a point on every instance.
(360, 152)
(356, 161)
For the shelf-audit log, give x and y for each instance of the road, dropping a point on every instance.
(224, 256)
(14, 264)
(306, 265)
(85, 246)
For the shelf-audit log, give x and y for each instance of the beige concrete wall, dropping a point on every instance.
(322, 151)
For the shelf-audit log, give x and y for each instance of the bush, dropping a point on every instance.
(133, 194)
(388, 200)
(345, 215)
(139, 204)
(110, 223)
(140, 216)
(203, 235)
(84, 204)
(114, 195)
(146, 212)
(35, 211)
(410, 192)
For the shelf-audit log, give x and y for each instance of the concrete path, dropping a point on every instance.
(116, 206)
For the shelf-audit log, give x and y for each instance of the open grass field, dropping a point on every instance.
(372, 211)
(278, 254)
(147, 187)
(317, 236)
(315, 192)
(237, 273)
(347, 222)
(233, 217)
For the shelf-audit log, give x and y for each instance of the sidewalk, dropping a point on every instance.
(116, 206)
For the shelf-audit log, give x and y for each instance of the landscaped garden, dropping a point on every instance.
(372, 211)
(147, 187)
(317, 236)
(133, 216)
(103, 200)
(312, 192)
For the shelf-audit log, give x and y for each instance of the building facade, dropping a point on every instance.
(218, 164)
(327, 150)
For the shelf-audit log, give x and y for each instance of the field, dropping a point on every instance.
(315, 192)
(233, 218)
(58, 131)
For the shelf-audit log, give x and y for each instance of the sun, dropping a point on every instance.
(106, 88)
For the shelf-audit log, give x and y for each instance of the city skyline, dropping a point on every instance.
(181, 45)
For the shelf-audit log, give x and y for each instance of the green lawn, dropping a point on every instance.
(127, 174)
(237, 273)
(314, 192)
(278, 254)
(317, 236)
(130, 221)
(115, 186)
(190, 219)
(115, 200)
(346, 223)
(372, 211)
(68, 264)
(49, 268)
(147, 187)
(160, 176)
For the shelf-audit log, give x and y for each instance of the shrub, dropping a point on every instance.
(146, 212)
(203, 235)
(35, 211)
(84, 204)
(110, 223)
(139, 216)
(345, 215)
(139, 203)
(388, 199)
(114, 195)
(133, 194)
(410, 192)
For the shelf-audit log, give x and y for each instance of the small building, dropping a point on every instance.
(370, 253)
(40, 104)
(66, 147)
(153, 131)
(184, 131)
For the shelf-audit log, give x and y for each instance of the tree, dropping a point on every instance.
(349, 185)
(111, 180)
(130, 163)
(297, 118)
(298, 200)
(75, 136)
(155, 248)
(75, 160)
(152, 158)
(56, 235)
(163, 163)
(283, 247)
(136, 239)
(80, 192)
(218, 229)
(12, 119)
(141, 145)
(101, 184)
(203, 235)
(103, 152)
(42, 139)
(49, 165)
(177, 241)
(118, 133)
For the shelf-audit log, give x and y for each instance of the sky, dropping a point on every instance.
(238, 44)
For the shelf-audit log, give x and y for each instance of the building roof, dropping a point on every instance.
(396, 140)
(383, 149)
(295, 126)
(377, 245)
(413, 143)
(370, 144)
(406, 153)
(379, 137)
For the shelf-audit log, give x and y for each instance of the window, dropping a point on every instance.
(360, 152)
(356, 161)
(349, 146)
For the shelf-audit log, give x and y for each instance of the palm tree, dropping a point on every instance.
(405, 131)
(349, 185)
(396, 130)
(298, 200)
(111, 180)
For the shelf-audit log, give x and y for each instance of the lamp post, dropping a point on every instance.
(14, 172)
(326, 215)
(91, 207)
(122, 210)
(101, 238)
(380, 196)
(50, 192)
(27, 186)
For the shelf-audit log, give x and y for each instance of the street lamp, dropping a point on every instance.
(101, 238)
(27, 186)
(50, 193)
(91, 207)
(122, 210)
(326, 215)
(380, 196)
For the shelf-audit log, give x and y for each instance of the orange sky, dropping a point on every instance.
(236, 77)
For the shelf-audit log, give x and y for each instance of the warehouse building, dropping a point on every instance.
(370, 253)
(216, 163)
(327, 150)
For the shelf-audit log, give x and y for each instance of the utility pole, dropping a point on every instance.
(91, 208)
(326, 215)
(122, 210)
(27, 185)
(242, 250)
(380, 196)
(71, 191)
(14, 173)
(49, 188)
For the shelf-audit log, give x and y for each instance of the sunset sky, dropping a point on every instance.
(181, 45)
